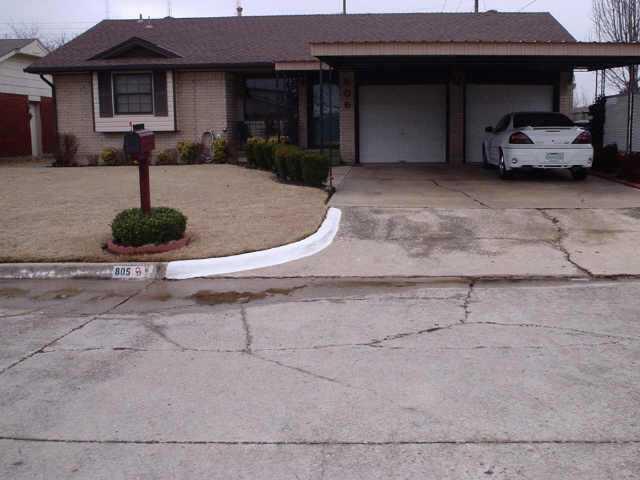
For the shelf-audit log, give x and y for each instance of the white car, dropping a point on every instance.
(530, 140)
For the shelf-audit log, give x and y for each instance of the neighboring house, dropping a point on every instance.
(27, 119)
(417, 87)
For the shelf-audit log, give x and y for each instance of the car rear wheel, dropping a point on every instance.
(502, 168)
(579, 173)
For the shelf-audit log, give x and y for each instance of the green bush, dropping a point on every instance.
(168, 157)
(133, 228)
(66, 150)
(112, 156)
(315, 169)
(220, 151)
(251, 150)
(190, 152)
(606, 158)
(287, 162)
(264, 155)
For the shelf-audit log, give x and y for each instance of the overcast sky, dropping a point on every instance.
(54, 17)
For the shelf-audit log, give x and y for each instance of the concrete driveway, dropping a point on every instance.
(464, 221)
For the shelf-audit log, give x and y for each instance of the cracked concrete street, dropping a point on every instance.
(320, 378)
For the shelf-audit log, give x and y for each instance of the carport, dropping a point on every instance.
(429, 102)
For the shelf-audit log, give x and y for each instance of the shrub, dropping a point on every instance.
(113, 156)
(630, 167)
(66, 150)
(133, 228)
(264, 155)
(288, 162)
(220, 151)
(168, 157)
(251, 150)
(315, 169)
(606, 158)
(190, 152)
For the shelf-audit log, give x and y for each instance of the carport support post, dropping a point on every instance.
(630, 115)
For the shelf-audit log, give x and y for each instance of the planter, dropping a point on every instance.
(117, 249)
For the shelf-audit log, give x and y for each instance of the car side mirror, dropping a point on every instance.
(488, 129)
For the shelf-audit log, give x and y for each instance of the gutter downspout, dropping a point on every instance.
(55, 107)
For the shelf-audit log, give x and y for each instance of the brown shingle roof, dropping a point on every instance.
(267, 39)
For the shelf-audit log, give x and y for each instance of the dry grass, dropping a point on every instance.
(63, 214)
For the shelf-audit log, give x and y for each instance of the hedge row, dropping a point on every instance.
(293, 164)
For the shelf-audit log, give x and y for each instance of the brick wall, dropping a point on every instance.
(347, 117)
(203, 101)
(456, 138)
(47, 117)
(15, 134)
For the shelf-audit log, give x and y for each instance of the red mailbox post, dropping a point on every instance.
(139, 144)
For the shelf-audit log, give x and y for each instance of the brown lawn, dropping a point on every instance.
(64, 214)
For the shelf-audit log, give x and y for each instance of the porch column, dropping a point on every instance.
(456, 117)
(347, 117)
(303, 113)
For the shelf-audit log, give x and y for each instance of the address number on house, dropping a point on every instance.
(132, 272)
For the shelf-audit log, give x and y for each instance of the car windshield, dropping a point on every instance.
(541, 119)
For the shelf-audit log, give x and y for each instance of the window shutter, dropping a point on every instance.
(105, 94)
(160, 94)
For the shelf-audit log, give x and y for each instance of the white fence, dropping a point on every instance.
(615, 124)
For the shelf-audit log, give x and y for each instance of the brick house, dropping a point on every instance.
(382, 88)
(27, 119)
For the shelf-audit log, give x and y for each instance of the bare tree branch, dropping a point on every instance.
(618, 21)
(50, 42)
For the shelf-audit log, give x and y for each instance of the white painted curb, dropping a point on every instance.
(183, 269)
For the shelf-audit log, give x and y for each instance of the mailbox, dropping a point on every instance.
(139, 143)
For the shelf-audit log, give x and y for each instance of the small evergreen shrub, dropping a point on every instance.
(220, 151)
(251, 150)
(315, 169)
(66, 150)
(287, 162)
(190, 152)
(112, 156)
(168, 157)
(133, 228)
(606, 158)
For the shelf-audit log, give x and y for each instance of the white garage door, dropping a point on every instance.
(403, 123)
(486, 104)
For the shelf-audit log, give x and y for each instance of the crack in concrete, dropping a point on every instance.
(160, 332)
(462, 192)
(247, 330)
(321, 443)
(557, 242)
(75, 329)
(467, 302)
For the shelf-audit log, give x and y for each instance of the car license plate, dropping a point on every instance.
(555, 157)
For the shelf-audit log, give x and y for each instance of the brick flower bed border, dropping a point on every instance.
(113, 247)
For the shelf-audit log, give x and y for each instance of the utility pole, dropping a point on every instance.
(106, 9)
(344, 7)
(477, 6)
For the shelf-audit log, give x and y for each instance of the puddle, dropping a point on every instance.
(12, 292)
(62, 294)
(208, 297)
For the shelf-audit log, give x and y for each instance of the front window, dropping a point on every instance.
(327, 132)
(271, 107)
(133, 93)
(541, 119)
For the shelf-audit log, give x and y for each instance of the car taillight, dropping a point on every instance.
(583, 139)
(519, 138)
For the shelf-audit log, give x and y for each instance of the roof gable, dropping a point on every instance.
(135, 47)
(24, 46)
